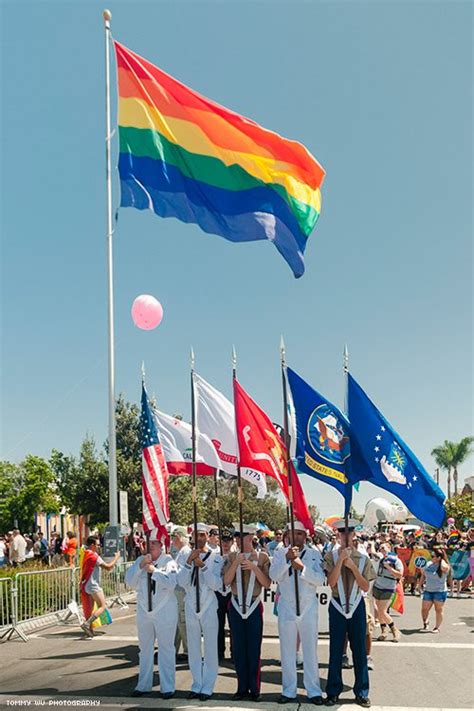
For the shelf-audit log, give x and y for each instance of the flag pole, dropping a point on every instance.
(288, 464)
(218, 513)
(147, 534)
(346, 513)
(193, 441)
(113, 496)
(239, 477)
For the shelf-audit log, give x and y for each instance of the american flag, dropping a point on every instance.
(154, 472)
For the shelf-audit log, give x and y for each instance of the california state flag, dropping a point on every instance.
(215, 418)
(176, 440)
(262, 449)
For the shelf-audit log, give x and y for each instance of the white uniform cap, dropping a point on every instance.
(247, 529)
(298, 527)
(341, 524)
(201, 527)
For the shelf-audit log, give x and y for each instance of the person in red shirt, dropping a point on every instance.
(70, 548)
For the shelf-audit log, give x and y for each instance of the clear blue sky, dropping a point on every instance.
(380, 92)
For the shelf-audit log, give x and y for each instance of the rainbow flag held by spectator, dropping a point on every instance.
(398, 599)
(104, 619)
(453, 538)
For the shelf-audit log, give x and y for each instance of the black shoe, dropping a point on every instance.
(239, 696)
(193, 695)
(181, 657)
(316, 700)
(363, 701)
(286, 700)
(204, 697)
(138, 693)
(331, 700)
(167, 695)
(254, 696)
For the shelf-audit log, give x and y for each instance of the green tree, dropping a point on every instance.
(442, 458)
(460, 507)
(460, 451)
(29, 488)
(66, 477)
(450, 456)
(269, 510)
(129, 455)
(9, 486)
(83, 485)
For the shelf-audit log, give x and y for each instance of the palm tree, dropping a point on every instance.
(450, 455)
(442, 457)
(460, 451)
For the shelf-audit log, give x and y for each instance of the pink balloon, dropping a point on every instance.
(147, 312)
(450, 521)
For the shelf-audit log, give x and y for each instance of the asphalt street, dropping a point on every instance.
(58, 667)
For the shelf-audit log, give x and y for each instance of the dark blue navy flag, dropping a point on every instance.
(322, 438)
(378, 449)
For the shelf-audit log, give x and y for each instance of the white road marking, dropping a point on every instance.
(154, 702)
(275, 640)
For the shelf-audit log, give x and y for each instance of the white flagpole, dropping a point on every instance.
(113, 503)
(346, 381)
(346, 515)
(286, 440)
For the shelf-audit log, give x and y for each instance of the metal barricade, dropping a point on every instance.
(9, 610)
(38, 595)
(44, 592)
(121, 570)
(6, 612)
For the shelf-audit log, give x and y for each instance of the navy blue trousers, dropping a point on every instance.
(222, 613)
(355, 628)
(246, 647)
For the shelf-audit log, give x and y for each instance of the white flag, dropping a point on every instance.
(176, 441)
(215, 418)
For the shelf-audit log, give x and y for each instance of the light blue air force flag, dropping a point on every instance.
(378, 449)
(322, 438)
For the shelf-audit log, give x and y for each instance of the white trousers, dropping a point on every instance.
(204, 671)
(163, 629)
(181, 629)
(288, 629)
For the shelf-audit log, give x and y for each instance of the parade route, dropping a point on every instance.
(57, 667)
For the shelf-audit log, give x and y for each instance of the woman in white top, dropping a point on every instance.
(389, 572)
(434, 575)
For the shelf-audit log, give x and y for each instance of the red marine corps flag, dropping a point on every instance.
(154, 472)
(262, 449)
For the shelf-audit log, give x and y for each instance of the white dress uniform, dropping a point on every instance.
(180, 559)
(205, 623)
(159, 624)
(309, 579)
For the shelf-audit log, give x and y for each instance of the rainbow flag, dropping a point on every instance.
(453, 537)
(104, 619)
(398, 599)
(184, 156)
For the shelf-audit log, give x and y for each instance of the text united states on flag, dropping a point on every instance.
(154, 472)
